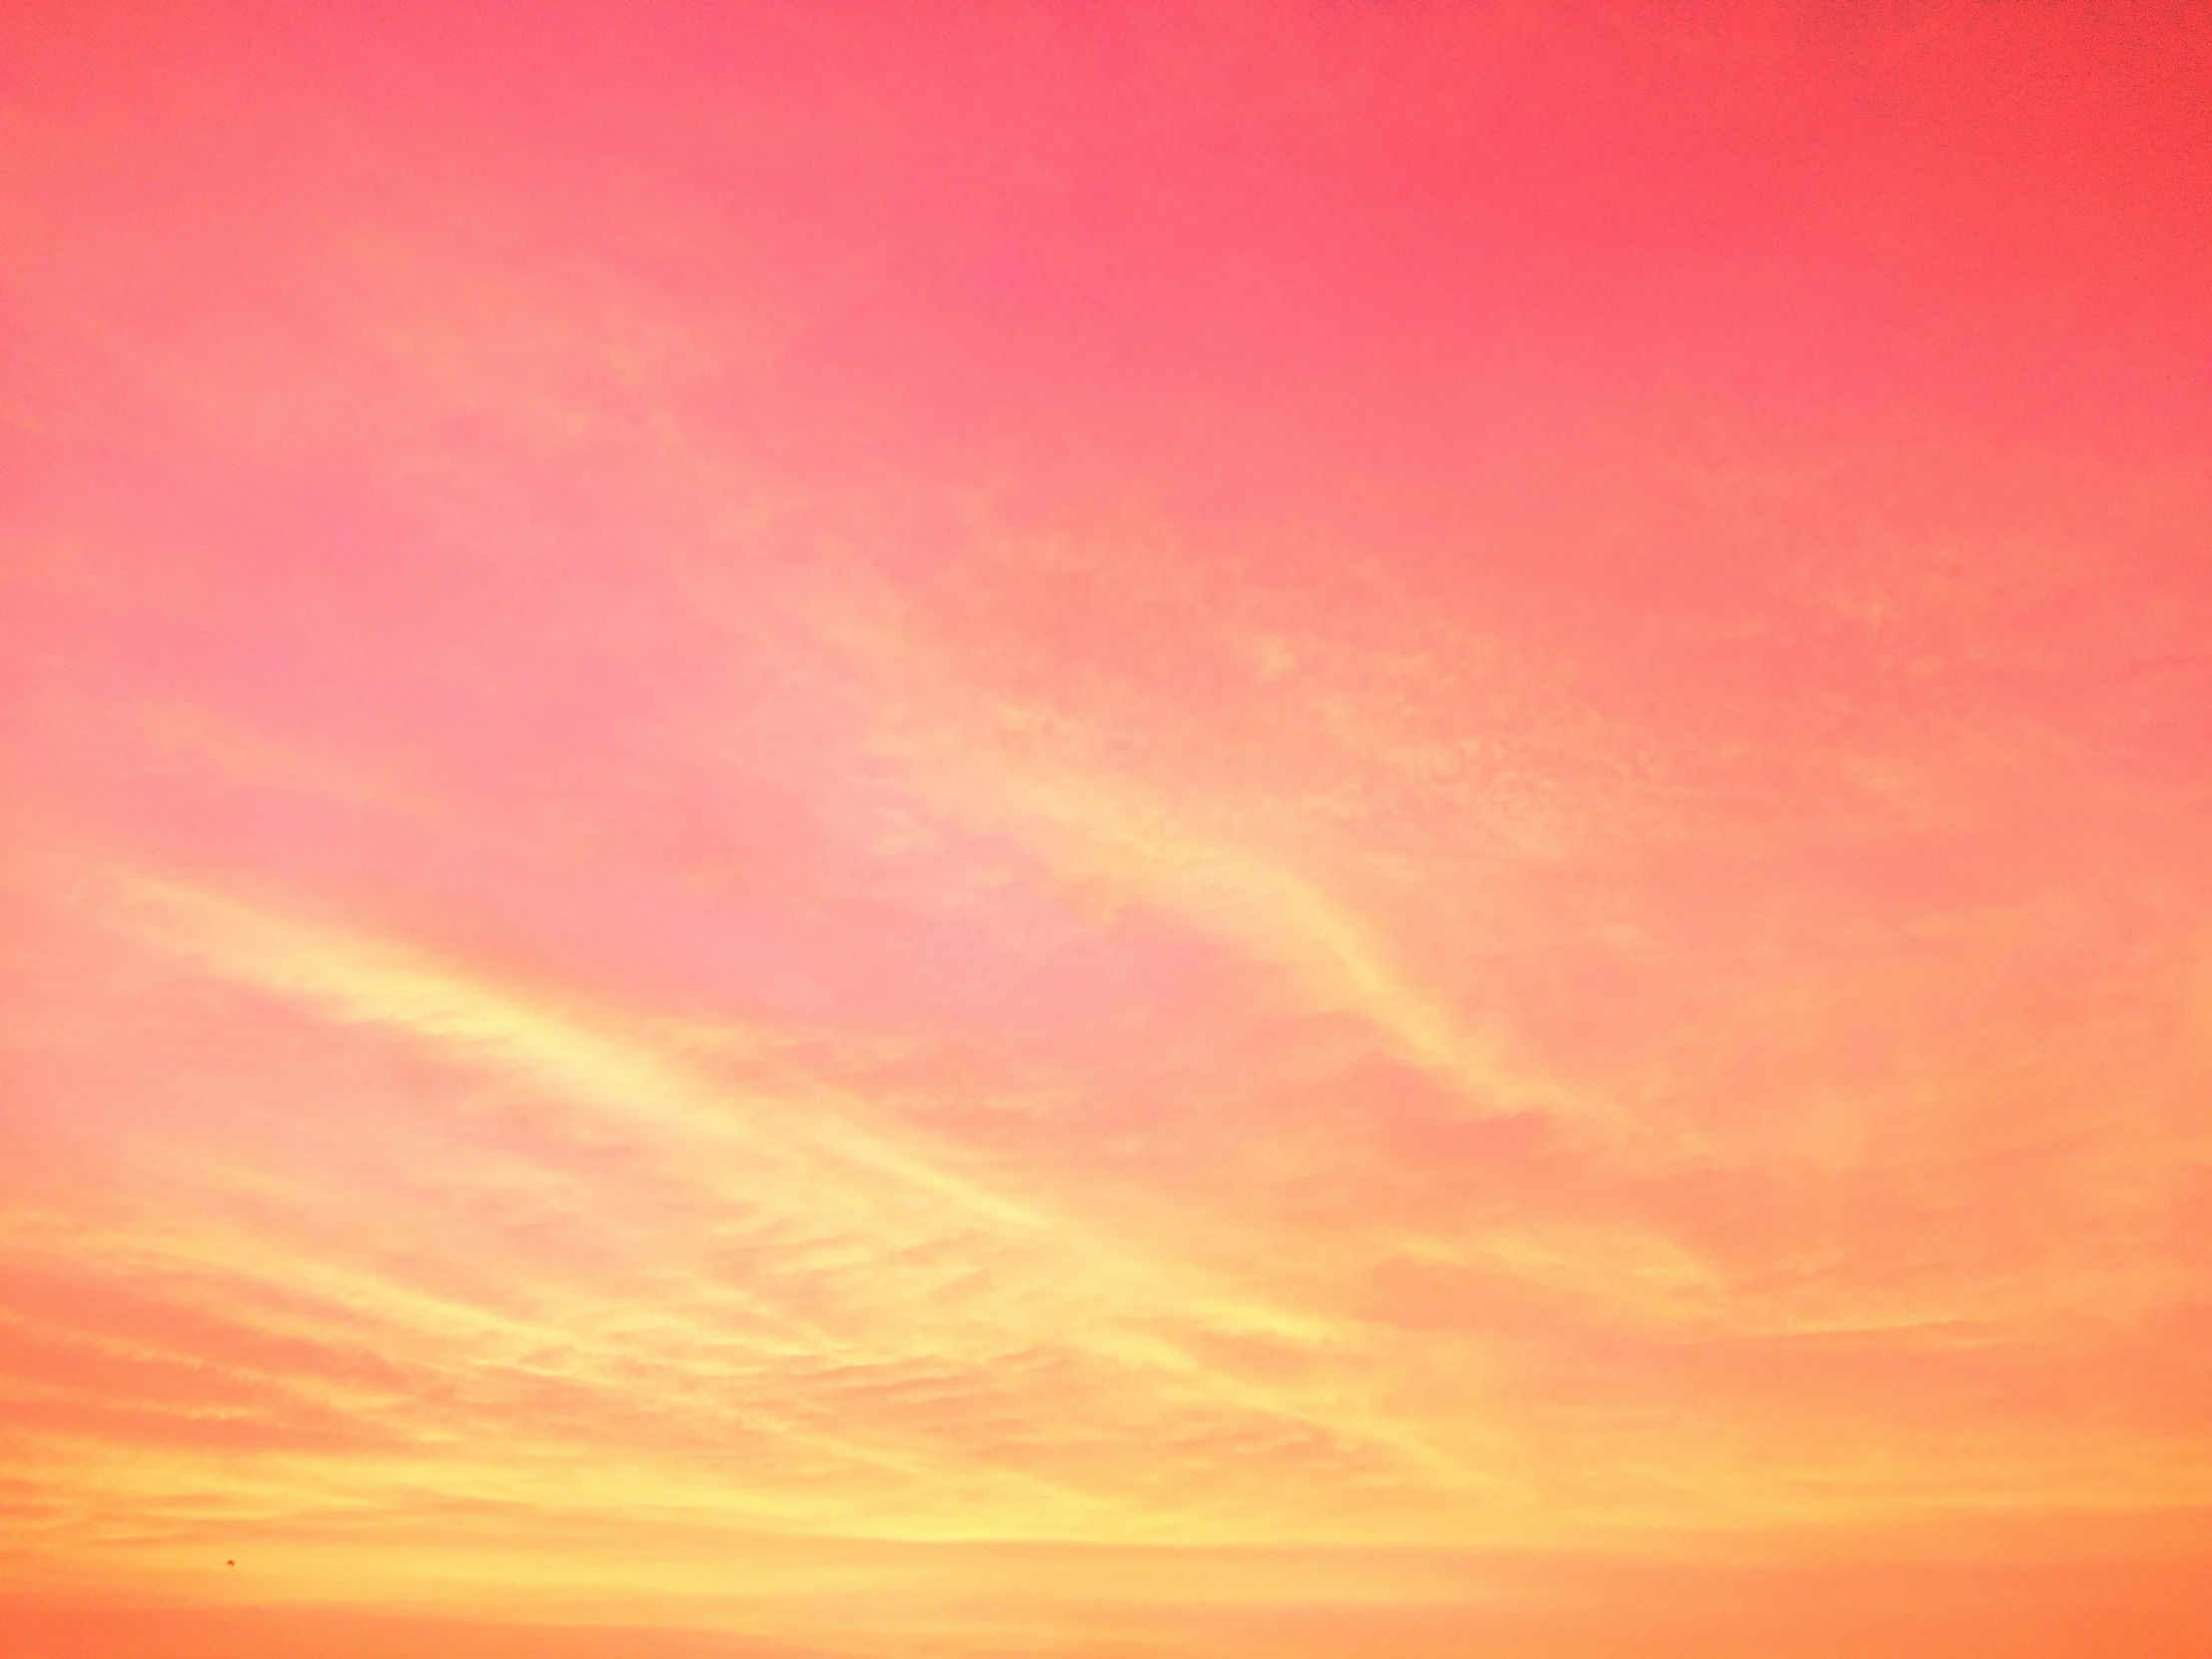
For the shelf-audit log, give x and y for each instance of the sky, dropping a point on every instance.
(1188, 831)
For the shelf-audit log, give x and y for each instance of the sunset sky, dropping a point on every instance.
(1269, 830)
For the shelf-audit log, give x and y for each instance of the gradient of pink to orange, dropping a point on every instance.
(1214, 830)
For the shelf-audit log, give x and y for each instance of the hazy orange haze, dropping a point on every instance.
(1353, 828)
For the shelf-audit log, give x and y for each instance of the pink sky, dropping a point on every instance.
(1113, 831)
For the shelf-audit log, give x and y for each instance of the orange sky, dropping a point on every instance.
(1364, 827)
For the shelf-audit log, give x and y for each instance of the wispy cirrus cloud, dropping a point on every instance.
(1372, 832)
